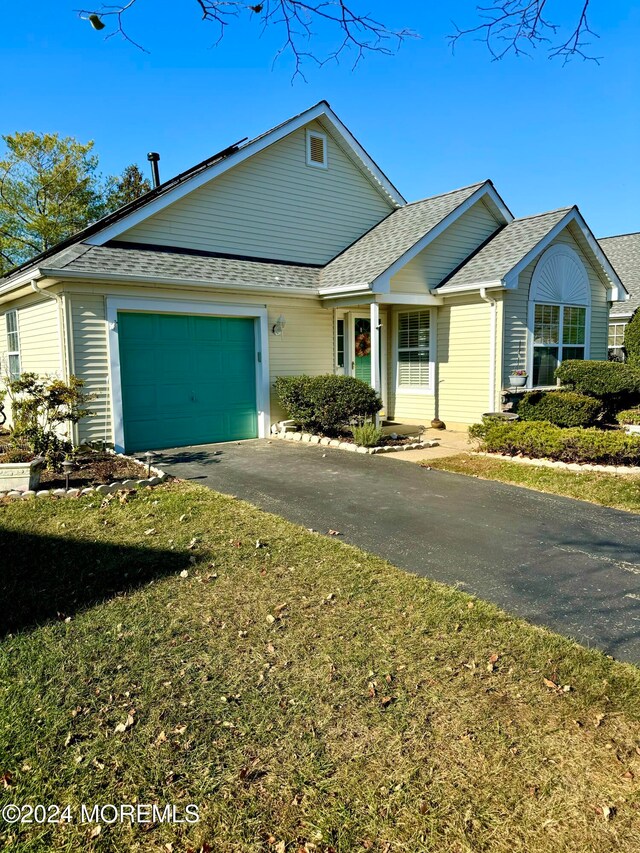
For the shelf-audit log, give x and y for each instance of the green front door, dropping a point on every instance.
(362, 345)
(186, 379)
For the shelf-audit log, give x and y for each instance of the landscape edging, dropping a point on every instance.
(308, 438)
(567, 466)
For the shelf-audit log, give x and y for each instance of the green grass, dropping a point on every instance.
(619, 491)
(300, 693)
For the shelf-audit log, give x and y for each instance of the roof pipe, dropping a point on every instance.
(493, 314)
(153, 157)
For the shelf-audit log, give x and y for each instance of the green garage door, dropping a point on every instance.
(186, 379)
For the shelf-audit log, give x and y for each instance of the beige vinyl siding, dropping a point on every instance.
(90, 362)
(447, 251)
(39, 334)
(274, 206)
(516, 306)
(306, 346)
(464, 346)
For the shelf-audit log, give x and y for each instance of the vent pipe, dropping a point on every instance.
(153, 158)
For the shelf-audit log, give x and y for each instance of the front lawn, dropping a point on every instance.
(618, 491)
(304, 695)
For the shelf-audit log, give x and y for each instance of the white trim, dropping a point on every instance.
(374, 319)
(173, 306)
(310, 134)
(408, 299)
(495, 284)
(16, 332)
(493, 351)
(341, 289)
(413, 389)
(321, 110)
(383, 282)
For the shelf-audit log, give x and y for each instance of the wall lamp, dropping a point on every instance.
(278, 326)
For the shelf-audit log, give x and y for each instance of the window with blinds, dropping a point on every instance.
(414, 335)
(13, 345)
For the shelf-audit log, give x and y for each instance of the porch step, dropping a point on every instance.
(387, 427)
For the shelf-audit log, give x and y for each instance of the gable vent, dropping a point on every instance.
(316, 149)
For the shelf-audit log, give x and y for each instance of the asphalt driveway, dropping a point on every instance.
(569, 565)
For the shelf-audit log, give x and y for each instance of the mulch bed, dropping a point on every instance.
(93, 470)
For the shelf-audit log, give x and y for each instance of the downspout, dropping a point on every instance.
(64, 364)
(492, 346)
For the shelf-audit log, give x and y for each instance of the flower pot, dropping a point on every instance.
(20, 476)
(517, 381)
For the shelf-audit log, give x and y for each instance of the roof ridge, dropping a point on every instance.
(538, 215)
(449, 192)
(616, 236)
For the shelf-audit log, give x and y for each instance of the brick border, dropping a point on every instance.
(103, 489)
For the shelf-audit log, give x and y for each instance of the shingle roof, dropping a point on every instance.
(624, 253)
(499, 255)
(122, 261)
(372, 254)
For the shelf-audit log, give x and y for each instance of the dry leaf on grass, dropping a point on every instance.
(122, 727)
(331, 532)
(150, 531)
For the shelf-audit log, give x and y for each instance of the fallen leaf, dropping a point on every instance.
(260, 544)
(270, 619)
(599, 719)
(95, 832)
(470, 605)
(372, 690)
(162, 738)
(122, 727)
(184, 573)
(150, 531)
(331, 532)
(550, 684)
(628, 776)
(183, 517)
(386, 700)
(192, 544)
(6, 779)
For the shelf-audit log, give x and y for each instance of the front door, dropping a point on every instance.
(361, 365)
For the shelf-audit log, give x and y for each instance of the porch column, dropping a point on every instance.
(375, 346)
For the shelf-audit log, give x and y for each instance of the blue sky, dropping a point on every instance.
(547, 135)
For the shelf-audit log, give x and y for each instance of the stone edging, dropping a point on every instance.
(347, 445)
(567, 466)
(103, 489)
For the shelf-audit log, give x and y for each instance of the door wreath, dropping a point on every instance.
(363, 345)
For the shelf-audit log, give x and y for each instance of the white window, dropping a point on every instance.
(616, 339)
(414, 350)
(559, 333)
(13, 345)
(316, 149)
(559, 313)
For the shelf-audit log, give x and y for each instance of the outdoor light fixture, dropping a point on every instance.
(149, 456)
(67, 468)
(278, 326)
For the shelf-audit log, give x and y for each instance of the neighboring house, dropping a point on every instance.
(624, 253)
(279, 256)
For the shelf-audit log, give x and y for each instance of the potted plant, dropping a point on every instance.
(19, 469)
(518, 378)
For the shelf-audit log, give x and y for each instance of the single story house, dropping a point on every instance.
(294, 253)
(624, 253)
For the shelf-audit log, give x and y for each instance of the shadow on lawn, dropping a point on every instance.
(49, 577)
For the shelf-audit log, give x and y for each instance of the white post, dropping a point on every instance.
(375, 349)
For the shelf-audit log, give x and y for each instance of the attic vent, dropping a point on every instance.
(316, 149)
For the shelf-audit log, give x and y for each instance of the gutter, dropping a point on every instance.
(493, 315)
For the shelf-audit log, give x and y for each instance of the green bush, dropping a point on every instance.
(629, 416)
(562, 408)
(632, 340)
(616, 384)
(541, 440)
(366, 434)
(326, 403)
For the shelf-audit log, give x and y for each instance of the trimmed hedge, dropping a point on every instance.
(629, 416)
(632, 340)
(540, 440)
(562, 408)
(616, 384)
(326, 403)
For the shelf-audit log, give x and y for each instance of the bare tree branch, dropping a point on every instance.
(358, 32)
(520, 26)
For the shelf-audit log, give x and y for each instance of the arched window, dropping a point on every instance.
(559, 313)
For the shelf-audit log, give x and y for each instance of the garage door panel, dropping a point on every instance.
(186, 379)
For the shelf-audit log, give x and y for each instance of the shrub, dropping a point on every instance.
(632, 340)
(366, 434)
(326, 403)
(616, 384)
(40, 406)
(629, 416)
(562, 408)
(540, 440)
